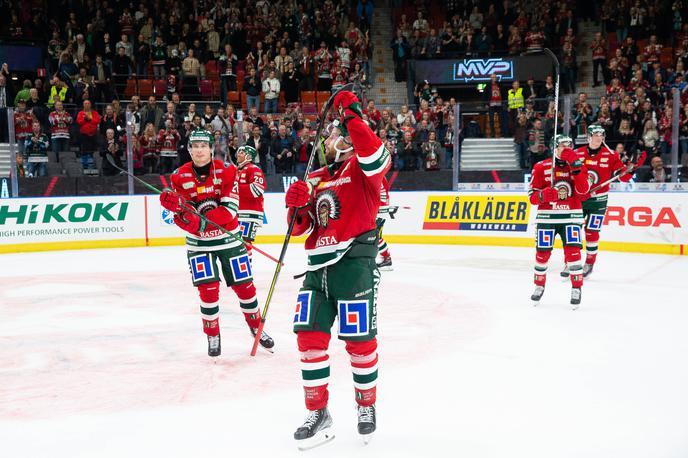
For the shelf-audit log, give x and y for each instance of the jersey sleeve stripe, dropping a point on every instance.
(376, 167)
(373, 157)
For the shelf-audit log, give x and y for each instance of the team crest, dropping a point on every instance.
(205, 206)
(564, 190)
(327, 208)
(593, 177)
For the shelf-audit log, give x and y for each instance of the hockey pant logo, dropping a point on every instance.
(202, 267)
(573, 234)
(595, 222)
(245, 228)
(241, 268)
(302, 314)
(545, 238)
(353, 318)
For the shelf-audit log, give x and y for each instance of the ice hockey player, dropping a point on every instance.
(602, 164)
(251, 190)
(211, 188)
(382, 247)
(337, 207)
(558, 193)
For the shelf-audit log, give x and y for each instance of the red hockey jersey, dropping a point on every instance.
(601, 167)
(168, 141)
(23, 124)
(572, 191)
(251, 189)
(346, 197)
(59, 124)
(206, 192)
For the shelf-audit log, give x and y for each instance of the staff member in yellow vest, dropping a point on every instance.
(515, 101)
(58, 91)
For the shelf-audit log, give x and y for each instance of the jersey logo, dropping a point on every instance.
(303, 307)
(593, 177)
(545, 238)
(595, 222)
(245, 228)
(187, 185)
(327, 208)
(573, 234)
(241, 267)
(202, 267)
(353, 318)
(564, 189)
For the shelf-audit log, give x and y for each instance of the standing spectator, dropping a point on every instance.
(111, 120)
(252, 87)
(401, 52)
(282, 151)
(36, 151)
(168, 139)
(431, 152)
(227, 63)
(521, 140)
(407, 154)
(88, 120)
(159, 58)
(323, 60)
(305, 68)
(149, 149)
(191, 71)
(127, 45)
(101, 74)
(122, 69)
(271, 89)
(291, 80)
(260, 144)
(599, 58)
(569, 68)
(142, 56)
(23, 122)
(515, 101)
(24, 93)
(496, 107)
(151, 113)
(537, 145)
(111, 147)
(60, 122)
(282, 61)
(222, 123)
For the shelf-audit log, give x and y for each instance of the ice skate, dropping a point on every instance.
(537, 295)
(587, 270)
(366, 422)
(385, 263)
(316, 430)
(214, 347)
(265, 340)
(565, 273)
(575, 298)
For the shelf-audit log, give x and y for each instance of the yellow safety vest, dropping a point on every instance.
(53, 92)
(516, 99)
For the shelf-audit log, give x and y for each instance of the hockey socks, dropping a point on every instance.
(246, 292)
(364, 368)
(592, 239)
(210, 307)
(383, 248)
(541, 260)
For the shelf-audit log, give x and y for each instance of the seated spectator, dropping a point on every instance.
(111, 147)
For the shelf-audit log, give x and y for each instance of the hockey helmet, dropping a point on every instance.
(595, 129)
(562, 139)
(201, 135)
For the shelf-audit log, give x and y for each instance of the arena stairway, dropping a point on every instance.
(489, 154)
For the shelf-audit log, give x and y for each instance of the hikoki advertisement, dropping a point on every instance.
(653, 222)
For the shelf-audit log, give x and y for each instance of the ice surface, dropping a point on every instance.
(102, 355)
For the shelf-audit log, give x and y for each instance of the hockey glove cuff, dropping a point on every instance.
(171, 201)
(190, 222)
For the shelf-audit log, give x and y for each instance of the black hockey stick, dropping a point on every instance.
(317, 149)
(188, 208)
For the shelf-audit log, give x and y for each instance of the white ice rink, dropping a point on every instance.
(102, 355)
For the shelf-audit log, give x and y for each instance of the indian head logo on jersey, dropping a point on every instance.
(327, 208)
(593, 177)
(564, 190)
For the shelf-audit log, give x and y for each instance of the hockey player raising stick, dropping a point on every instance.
(211, 187)
(558, 192)
(251, 190)
(337, 207)
(602, 164)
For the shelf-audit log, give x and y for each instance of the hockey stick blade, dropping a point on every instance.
(111, 160)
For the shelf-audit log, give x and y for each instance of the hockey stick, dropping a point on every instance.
(319, 145)
(188, 208)
(556, 102)
(615, 177)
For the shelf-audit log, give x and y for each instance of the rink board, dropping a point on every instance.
(650, 222)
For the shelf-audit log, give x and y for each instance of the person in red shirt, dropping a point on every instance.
(60, 120)
(599, 58)
(495, 107)
(88, 120)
